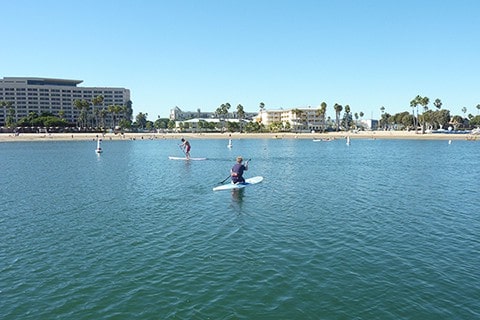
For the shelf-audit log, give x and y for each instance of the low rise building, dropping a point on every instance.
(177, 114)
(298, 119)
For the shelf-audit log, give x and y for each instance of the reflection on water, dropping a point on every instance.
(237, 199)
(237, 195)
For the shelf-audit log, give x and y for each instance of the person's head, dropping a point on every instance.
(239, 159)
(183, 140)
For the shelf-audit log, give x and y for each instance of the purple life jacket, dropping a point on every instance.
(237, 173)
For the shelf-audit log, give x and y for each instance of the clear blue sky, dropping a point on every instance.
(285, 53)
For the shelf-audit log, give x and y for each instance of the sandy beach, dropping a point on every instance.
(9, 137)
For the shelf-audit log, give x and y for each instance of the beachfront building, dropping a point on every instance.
(208, 124)
(177, 114)
(368, 124)
(22, 95)
(197, 124)
(297, 119)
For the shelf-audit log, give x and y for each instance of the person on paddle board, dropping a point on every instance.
(237, 171)
(186, 146)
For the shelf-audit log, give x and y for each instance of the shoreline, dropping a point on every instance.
(10, 137)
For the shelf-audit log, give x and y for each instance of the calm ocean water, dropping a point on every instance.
(380, 229)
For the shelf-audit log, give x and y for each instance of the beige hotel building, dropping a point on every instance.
(39, 95)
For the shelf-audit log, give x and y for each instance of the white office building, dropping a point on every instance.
(304, 119)
(25, 95)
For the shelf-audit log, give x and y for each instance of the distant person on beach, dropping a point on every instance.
(186, 147)
(237, 170)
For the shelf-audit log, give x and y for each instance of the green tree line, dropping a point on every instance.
(93, 115)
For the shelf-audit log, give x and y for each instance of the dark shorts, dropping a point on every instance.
(238, 180)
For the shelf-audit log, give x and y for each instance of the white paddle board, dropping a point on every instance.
(231, 186)
(184, 158)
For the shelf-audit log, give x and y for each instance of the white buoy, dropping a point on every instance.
(99, 148)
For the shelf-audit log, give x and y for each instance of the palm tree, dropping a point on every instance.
(478, 108)
(122, 110)
(98, 100)
(241, 115)
(128, 110)
(222, 112)
(424, 103)
(347, 116)
(103, 116)
(96, 116)
(10, 119)
(83, 106)
(414, 104)
(260, 113)
(464, 110)
(438, 104)
(322, 112)
(6, 105)
(114, 110)
(227, 107)
(361, 114)
(382, 119)
(338, 109)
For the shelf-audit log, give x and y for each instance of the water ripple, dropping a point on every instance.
(379, 229)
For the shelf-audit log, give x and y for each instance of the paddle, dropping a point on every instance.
(180, 146)
(221, 182)
(229, 176)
